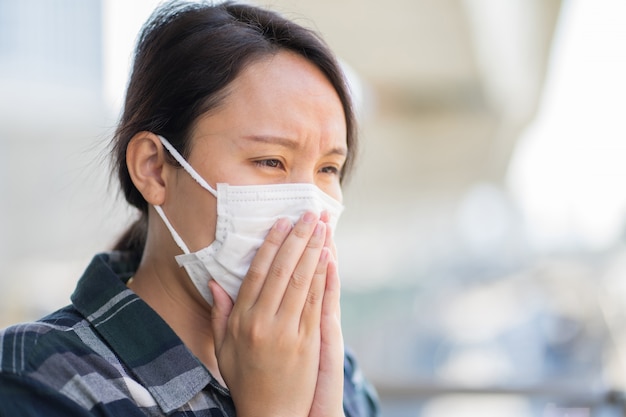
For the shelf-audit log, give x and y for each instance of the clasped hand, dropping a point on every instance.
(279, 346)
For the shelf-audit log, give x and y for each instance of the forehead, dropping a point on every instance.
(284, 95)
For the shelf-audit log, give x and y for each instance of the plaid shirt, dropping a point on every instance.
(109, 354)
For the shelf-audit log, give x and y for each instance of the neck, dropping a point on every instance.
(166, 288)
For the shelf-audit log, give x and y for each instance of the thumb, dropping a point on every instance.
(222, 307)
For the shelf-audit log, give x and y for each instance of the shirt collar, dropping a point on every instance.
(137, 334)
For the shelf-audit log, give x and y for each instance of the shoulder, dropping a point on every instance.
(26, 397)
(59, 360)
(44, 350)
(360, 398)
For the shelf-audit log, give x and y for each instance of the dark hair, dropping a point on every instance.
(186, 55)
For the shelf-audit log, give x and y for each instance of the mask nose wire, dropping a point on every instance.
(179, 158)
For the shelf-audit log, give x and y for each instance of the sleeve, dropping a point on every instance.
(359, 396)
(24, 397)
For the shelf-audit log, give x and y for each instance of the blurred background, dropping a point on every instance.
(482, 250)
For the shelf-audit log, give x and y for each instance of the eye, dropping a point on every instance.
(332, 170)
(269, 163)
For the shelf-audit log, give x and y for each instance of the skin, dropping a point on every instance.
(278, 347)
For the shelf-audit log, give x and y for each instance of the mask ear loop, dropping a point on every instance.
(179, 158)
(175, 235)
(195, 176)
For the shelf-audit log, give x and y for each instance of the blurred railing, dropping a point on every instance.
(544, 400)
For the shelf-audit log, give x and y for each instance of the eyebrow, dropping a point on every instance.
(290, 143)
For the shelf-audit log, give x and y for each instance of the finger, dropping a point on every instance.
(260, 266)
(330, 242)
(299, 288)
(222, 307)
(329, 389)
(332, 338)
(284, 264)
(331, 307)
(325, 216)
(310, 317)
(333, 250)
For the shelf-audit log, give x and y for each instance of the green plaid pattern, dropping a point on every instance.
(110, 354)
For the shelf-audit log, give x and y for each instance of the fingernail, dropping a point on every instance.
(308, 217)
(319, 229)
(325, 256)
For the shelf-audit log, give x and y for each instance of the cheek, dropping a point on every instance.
(194, 214)
(333, 190)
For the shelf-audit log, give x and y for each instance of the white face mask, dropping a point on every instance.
(245, 214)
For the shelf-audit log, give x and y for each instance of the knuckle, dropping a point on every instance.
(313, 298)
(315, 243)
(250, 329)
(299, 280)
(301, 232)
(274, 238)
(255, 273)
(255, 333)
(278, 270)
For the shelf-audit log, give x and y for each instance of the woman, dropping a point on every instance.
(223, 298)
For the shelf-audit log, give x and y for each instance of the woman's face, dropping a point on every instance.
(281, 122)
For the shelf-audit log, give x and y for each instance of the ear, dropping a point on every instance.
(145, 158)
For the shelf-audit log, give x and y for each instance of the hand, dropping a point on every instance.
(328, 398)
(269, 343)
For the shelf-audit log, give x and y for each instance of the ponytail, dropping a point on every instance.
(133, 240)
